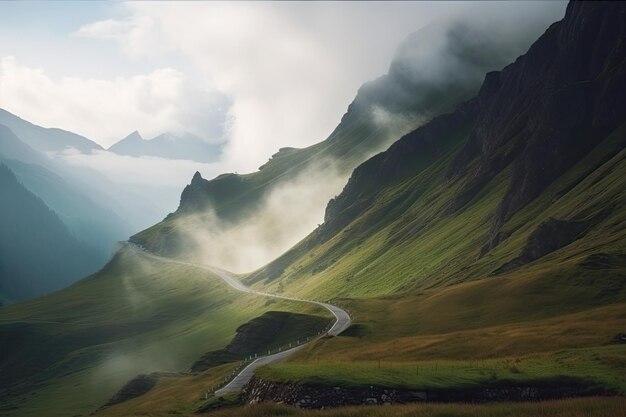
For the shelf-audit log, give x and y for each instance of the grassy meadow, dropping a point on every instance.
(68, 353)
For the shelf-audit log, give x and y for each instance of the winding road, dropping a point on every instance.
(341, 323)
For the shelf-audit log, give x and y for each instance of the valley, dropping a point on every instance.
(465, 255)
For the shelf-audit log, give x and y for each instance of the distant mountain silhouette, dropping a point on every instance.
(45, 139)
(168, 146)
(38, 253)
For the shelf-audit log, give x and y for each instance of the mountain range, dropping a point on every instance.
(96, 212)
(481, 254)
(510, 172)
(168, 146)
(45, 139)
(410, 94)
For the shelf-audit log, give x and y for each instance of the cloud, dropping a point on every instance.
(106, 29)
(164, 100)
(291, 69)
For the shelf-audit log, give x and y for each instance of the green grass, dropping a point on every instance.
(405, 242)
(348, 146)
(420, 293)
(601, 366)
(356, 138)
(173, 395)
(69, 352)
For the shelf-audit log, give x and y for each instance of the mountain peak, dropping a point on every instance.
(197, 178)
(135, 135)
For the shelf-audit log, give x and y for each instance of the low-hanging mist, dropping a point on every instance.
(286, 215)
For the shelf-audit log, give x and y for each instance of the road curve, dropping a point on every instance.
(341, 323)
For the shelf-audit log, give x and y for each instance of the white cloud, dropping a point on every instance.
(107, 110)
(291, 68)
(106, 29)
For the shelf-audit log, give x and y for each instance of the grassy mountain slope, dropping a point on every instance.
(485, 247)
(388, 248)
(433, 210)
(68, 353)
(407, 96)
(488, 245)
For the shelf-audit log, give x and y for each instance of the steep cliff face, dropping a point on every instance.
(547, 110)
(202, 194)
(410, 155)
(434, 69)
(540, 115)
(544, 138)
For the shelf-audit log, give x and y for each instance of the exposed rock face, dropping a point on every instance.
(548, 109)
(407, 156)
(541, 114)
(549, 236)
(201, 194)
(318, 396)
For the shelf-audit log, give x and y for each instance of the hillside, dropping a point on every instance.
(70, 352)
(404, 98)
(168, 146)
(30, 230)
(483, 252)
(481, 256)
(528, 170)
(28, 143)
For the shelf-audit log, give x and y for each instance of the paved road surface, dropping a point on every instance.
(342, 321)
